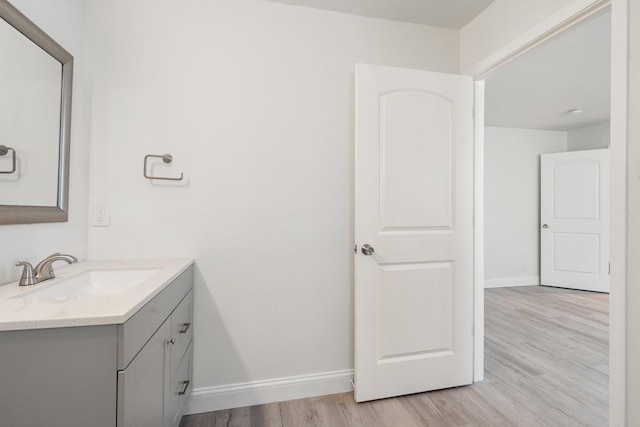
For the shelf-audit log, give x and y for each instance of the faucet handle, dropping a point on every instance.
(27, 274)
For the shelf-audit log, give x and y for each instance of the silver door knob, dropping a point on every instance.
(367, 249)
(545, 225)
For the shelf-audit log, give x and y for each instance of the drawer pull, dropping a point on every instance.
(185, 328)
(185, 386)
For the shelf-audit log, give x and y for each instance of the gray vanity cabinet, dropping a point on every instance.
(133, 374)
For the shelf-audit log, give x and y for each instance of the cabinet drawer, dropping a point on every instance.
(135, 332)
(181, 330)
(179, 389)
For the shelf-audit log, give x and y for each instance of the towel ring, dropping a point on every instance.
(4, 150)
(167, 158)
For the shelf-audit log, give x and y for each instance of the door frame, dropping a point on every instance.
(555, 24)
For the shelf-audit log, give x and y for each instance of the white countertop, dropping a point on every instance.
(22, 308)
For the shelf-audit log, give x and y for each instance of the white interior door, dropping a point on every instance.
(414, 210)
(574, 215)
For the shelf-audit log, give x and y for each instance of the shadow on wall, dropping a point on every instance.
(213, 345)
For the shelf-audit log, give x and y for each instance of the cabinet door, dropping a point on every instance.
(179, 389)
(141, 385)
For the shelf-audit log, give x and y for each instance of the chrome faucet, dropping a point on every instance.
(44, 270)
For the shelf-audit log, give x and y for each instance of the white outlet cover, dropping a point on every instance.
(101, 216)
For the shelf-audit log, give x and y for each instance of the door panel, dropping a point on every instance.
(413, 298)
(414, 206)
(574, 213)
(576, 192)
(415, 177)
(566, 245)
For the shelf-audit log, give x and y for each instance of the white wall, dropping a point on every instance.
(64, 21)
(255, 101)
(512, 202)
(590, 137)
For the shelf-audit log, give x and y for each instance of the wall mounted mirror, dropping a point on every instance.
(36, 76)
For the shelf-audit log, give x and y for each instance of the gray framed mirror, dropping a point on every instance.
(36, 79)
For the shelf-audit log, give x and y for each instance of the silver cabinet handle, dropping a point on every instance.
(172, 341)
(545, 225)
(185, 386)
(4, 150)
(367, 249)
(185, 328)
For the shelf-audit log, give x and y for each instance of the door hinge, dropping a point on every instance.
(609, 268)
(355, 249)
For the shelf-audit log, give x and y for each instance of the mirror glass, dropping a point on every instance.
(29, 121)
(35, 107)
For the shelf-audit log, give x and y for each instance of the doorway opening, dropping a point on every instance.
(555, 98)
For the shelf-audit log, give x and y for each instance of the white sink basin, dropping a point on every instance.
(97, 283)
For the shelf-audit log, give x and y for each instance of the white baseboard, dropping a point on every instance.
(507, 282)
(208, 399)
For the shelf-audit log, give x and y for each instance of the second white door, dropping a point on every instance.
(574, 215)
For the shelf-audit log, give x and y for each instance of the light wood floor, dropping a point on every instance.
(546, 364)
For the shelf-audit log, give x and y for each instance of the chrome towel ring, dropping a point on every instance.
(167, 158)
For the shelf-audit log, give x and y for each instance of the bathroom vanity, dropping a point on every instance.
(104, 344)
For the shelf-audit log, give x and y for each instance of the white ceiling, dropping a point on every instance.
(571, 70)
(440, 13)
